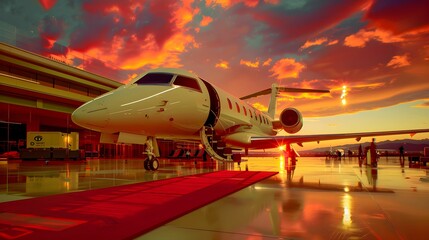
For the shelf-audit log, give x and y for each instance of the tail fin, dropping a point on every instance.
(273, 100)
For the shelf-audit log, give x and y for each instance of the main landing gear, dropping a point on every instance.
(151, 162)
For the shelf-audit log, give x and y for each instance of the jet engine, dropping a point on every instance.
(291, 120)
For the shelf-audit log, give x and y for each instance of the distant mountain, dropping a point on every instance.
(410, 145)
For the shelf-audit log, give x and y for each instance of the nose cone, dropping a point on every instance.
(91, 115)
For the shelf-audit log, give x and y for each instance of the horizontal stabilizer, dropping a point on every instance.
(274, 90)
(284, 89)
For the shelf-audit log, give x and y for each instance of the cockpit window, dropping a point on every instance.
(187, 82)
(155, 78)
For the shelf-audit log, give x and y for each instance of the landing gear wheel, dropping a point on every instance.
(154, 164)
(146, 164)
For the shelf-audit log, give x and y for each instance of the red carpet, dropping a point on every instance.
(122, 212)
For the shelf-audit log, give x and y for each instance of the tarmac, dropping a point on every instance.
(319, 198)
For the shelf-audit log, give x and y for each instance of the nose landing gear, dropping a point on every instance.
(151, 162)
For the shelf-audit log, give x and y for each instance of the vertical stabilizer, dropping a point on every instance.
(273, 100)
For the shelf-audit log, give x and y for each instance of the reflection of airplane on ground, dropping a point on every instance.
(176, 104)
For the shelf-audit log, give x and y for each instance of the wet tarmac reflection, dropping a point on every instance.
(316, 199)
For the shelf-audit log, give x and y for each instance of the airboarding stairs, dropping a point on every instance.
(214, 146)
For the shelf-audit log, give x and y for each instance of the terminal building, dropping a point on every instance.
(39, 94)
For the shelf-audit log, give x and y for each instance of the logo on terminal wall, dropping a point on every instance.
(38, 138)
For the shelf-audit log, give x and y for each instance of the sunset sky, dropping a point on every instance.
(378, 49)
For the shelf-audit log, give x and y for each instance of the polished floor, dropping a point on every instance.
(319, 199)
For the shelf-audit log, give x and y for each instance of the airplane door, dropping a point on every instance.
(214, 106)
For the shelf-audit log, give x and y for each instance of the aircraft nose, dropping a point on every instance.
(92, 116)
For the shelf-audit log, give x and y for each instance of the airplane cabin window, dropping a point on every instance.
(187, 82)
(238, 107)
(244, 110)
(229, 103)
(155, 78)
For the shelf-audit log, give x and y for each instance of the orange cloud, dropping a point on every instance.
(185, 14)
(267, 62)
(222, 3)
(261, 107)
(222, 64)
(251, 3)
(423, 105)
(229, 3)
(130, 77)
(360, 38)
(399, 61)
(316, 42)
(333, 42)
(206, 21)
(284, 97)
(249, 63)
(149, 53)
(287, 68)
(129, 50)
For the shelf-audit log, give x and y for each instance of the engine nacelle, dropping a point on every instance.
(291, 120)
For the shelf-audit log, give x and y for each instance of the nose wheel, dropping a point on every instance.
(151, 164)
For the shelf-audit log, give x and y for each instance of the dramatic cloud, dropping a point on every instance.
(287, 68)
(399, 16)
(378, 49)
(51, 29)
(316, 42)
(250, 63)
(423, 105)
(222, 64)
(297, 22)
(206, 21)
(267, 62)
(261, 107)
(399, 61)
(363, 36)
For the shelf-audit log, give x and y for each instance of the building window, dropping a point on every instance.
(63, 85)
(78, 89)
(45, 80)
(94, 92)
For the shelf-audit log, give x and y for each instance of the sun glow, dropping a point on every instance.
(343, 95)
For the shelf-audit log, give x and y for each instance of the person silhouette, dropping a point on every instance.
(401, 156)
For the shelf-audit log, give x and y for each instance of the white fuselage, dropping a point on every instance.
(177, 108)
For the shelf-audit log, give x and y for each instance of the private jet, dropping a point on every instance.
(178, 105)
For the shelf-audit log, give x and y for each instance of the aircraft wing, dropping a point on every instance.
(274, 142)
